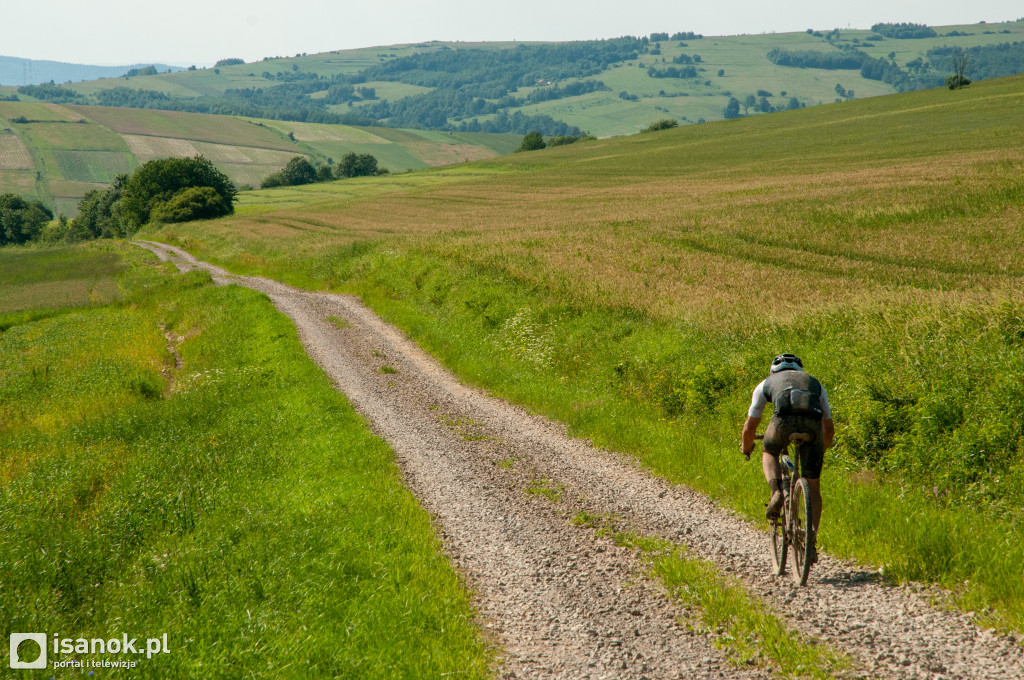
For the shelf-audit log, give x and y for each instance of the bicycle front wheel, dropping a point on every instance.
(803, 537)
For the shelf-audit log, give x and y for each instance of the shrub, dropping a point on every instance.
(561, 140)
(159, 181)
(296, 172)
(193, 203)
(357, 165)
(663, 124)
(956, 81)
(21, 220)
(532, 141)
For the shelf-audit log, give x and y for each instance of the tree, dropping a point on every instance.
(959, 60)
(749, 102)
(96, 214)
(732, 109)
(356, 165)
(298, 171)
(159, 181)
(532, 141)
(21, 221)
(324, 173)
(793, 104)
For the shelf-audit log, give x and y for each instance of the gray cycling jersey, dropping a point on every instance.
(759, 399)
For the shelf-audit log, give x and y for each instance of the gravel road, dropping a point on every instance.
(559, 601)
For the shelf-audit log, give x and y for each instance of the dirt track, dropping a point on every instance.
(560, 602)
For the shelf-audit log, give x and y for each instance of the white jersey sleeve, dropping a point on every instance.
(757, 401)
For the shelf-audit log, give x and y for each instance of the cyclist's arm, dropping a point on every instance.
(747, 437)
(757, 404)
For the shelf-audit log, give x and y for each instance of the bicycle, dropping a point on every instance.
(793, 526)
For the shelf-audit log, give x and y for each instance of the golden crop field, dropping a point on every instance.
(725, 220)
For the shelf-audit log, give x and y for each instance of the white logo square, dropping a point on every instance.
(17, 639)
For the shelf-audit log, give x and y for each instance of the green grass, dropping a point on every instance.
(636, 289)
(747, 629)
(237, 504)
(34, 280)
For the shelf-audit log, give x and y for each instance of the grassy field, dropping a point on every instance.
(657, 275)
(173, 463)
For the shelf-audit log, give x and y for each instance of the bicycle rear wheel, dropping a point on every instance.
(780, 544)
(803, 538)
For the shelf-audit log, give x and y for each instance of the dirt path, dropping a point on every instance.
(560, 602)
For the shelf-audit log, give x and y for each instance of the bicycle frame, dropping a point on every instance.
(793, 527)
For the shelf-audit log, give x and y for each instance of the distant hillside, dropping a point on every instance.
(17, 72)
(605, 87)
(58, 153)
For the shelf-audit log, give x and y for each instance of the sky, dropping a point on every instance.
(185, 32)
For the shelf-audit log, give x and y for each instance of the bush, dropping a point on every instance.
(562, 140)
(956, 81)
(96, 217)
(296, 172)
(161, 180)
(357, 165)
(193, 203)
(21, 221)
(532, 141)
(663, 124)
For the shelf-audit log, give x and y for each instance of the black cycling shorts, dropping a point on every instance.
(812, 453)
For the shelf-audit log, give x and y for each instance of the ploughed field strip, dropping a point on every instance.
(561, 601)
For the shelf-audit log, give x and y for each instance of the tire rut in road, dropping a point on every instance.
(561, 602)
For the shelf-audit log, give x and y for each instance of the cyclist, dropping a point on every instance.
(801, 405)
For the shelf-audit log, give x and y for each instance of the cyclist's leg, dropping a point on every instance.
(812, 459)
(771, 447)
(770, 451)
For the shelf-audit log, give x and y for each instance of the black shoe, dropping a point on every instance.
(774, 505)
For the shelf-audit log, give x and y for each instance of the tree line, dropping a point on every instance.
(904, 31)
(468, 84)
(299, 171)
(985, 61)
(165, 190)
(850, 58)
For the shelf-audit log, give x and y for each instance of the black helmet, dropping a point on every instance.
(787, 362)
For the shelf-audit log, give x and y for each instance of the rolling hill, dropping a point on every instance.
(17, 71)
(58, 153)
(602, 87)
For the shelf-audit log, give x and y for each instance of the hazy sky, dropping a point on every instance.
(183, 32)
